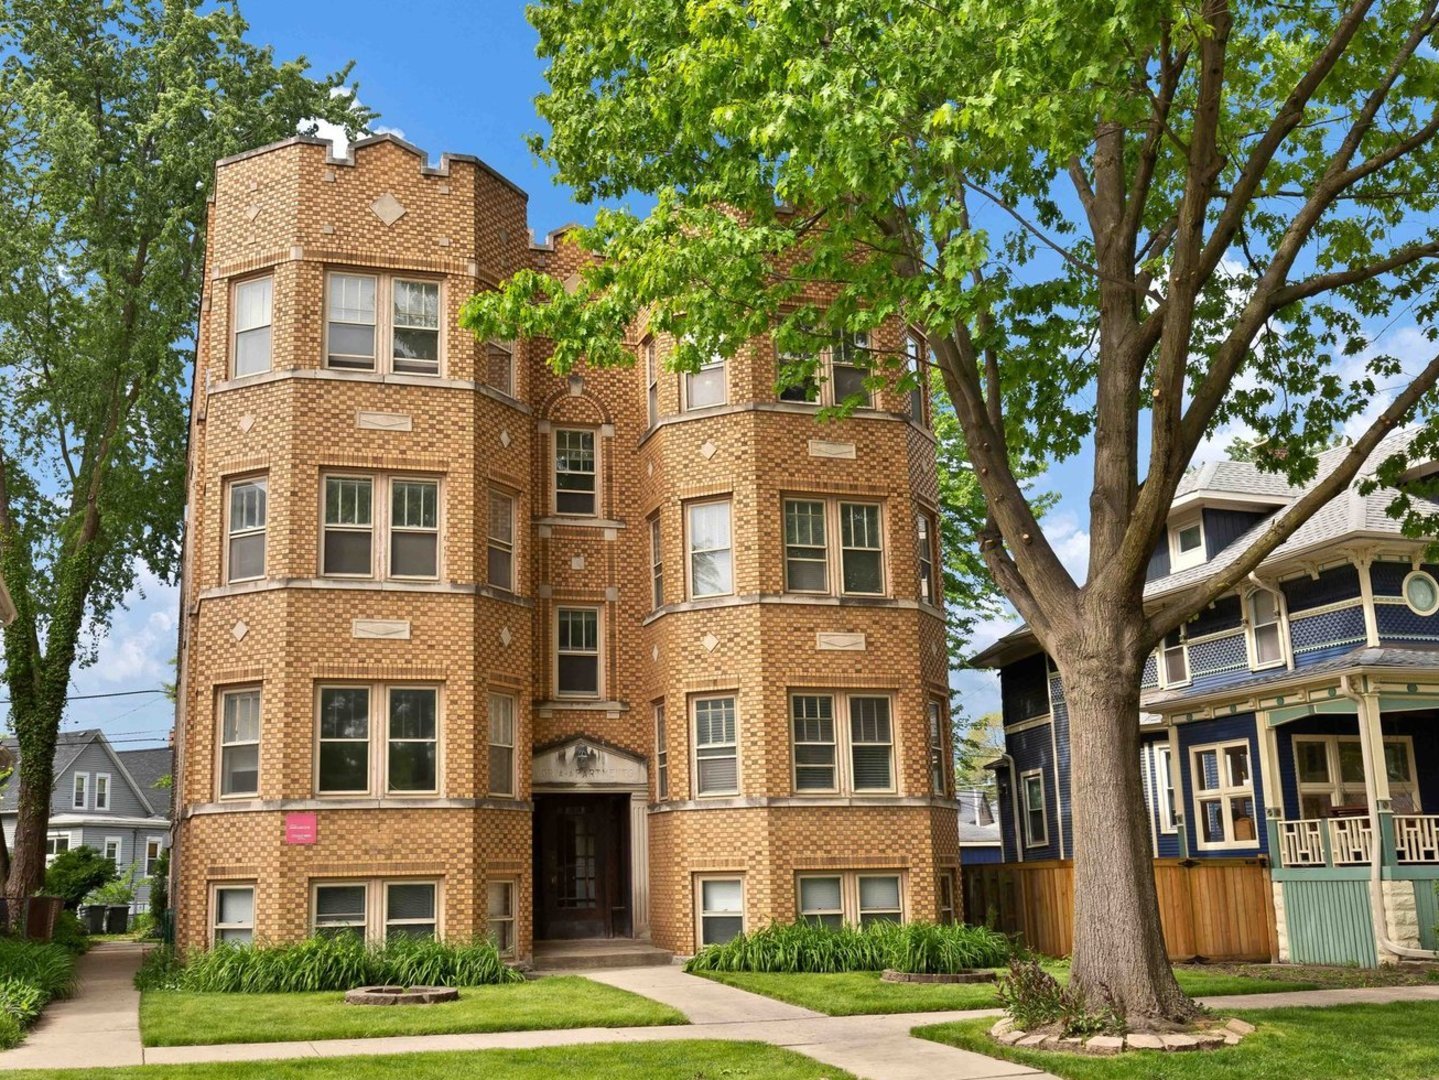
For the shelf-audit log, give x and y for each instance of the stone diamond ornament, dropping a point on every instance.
(710, 642)
(246, 423)
(708, 450)
(239, 630)
(504, 438)
(505, 636)
(388, 208)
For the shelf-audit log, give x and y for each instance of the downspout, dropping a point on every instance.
(1376, 856)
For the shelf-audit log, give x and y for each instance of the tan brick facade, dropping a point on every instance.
(281, 638)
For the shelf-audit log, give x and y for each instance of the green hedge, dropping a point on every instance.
(922, 948)
(31, 975)
(326, 963)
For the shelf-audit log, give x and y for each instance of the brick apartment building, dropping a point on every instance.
(469, 648)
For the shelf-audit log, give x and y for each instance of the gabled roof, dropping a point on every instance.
(1236, 478)
(145, 768)
(70, 744)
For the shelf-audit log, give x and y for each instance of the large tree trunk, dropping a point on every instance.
(1119, 957)
(36, 784)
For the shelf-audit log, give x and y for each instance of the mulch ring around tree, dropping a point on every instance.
(1209, 1035)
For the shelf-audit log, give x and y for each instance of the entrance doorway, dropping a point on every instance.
(582, 859)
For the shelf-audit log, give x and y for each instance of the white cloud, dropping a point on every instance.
(140, 641)
(385, 129)
(1070, 541)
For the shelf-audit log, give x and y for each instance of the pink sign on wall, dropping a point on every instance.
(301, 828)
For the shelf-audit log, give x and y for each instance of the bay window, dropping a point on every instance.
(710, 549)
(240, 743)
(855, 897)
(248, 511)
(716, 765)
(400, 542)
(382, 322)
(813, 562)
(352, 761)
(841, 742)
(233, 915)
(254, 303)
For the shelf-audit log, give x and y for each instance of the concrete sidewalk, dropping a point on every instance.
(99, 1026)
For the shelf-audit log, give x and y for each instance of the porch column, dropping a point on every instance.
(1269, 783)
(1176, 783)
(640, 864)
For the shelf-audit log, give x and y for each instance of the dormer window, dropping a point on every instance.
(1186, 543)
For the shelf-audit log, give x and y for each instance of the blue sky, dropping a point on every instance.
(462, 77)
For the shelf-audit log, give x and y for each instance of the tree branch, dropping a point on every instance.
(1355, 275)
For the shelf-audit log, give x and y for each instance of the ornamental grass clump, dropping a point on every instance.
(342, 962)
(806, 947)
(32, 974)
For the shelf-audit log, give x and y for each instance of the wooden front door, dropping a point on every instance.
(581, 883)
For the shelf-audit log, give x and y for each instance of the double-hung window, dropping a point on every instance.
(1036, 820)
(652, 381)
(102, 791)
(840, 372)
(849, 368)
(576, 492)
(1174, 658)
(501, 911)
(1164, 787)
(577, 652)
(376, 910)
(945, 884)
(502, 745)
(799, 377)
(408, 535)
(1264, 629)
(500, 361)
(380, 322)
(842, 742)
(927, 548)
(705, 388)
(657, 563)
(396, 753)
(935, 714)
(254, 302)
(851, 896)
(710, 549)
(716, 766)
(154, 848)
(233, 915)
(113, 847)
(240, 743)
(917, 368)
(80, 792)
(248, 512)
(500, 566)
(414, 528)
(56, 844)
(814, 563)
(1224, 795)
(720, 903)
(662, 754)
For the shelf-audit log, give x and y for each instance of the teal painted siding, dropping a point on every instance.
(1329, 923)
(1426, 906)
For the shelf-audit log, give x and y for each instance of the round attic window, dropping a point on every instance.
(1421, 593)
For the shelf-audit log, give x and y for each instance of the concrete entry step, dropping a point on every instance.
(593, 954)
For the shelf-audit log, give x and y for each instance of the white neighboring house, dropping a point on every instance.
(106, 799)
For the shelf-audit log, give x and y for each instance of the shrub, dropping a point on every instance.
(160, 891)
(50, 968)
(1034, 999)
(20, 999)
(69, 934)
(76, 872)
(120, 889)
(806, 947)
(326, 963)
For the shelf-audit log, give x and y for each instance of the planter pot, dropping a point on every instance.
(117, 918)
(40, 915)
(92, 917)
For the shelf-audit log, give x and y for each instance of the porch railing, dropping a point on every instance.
(1416, 838)
(1301, 843)
(1352, 841)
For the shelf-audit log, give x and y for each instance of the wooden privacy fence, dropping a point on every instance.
(1212, 909)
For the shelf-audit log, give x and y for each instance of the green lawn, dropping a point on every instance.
(177, 1018)
(680, 1060)
(1345, 1042)
(861, 992)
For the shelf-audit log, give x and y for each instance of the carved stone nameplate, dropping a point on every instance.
(826, 449)
(383, 421)
(387, 629)
(839, 642)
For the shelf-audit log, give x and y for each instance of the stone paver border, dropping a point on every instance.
(946, 978)
(1231, 1033)
(400, 995)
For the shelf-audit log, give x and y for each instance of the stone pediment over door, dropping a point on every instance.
(583, 763)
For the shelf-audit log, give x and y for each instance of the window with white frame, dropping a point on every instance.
(1265, 633)
(233, 915)
(248, 511)
(501, 912)
(662, 753)
(720, 903)
(652, 381)
(154, 848)
(240, 742)
(849, 368)
(813, 562)
(500, 364)
(577, 652)
(576, 491)
(927, 545)
(705, 388)
(657, 563)
(80, 791)
(375, 909)
(839, 372)
(1223, 795)
(502, 709)
(842, 742)
(711, 563)
(102, 791)
(254, 302)
(1174, 658)
(799, 377)
(1186, 543)
(500, 566)
(1036, 819)
(353, 761)
(1421, 593)
(917, 367)
(1329, 770)
(856, 897)
(381, 322)
(716, 767)
(934, 709)
(409, 535)
(113, 848)
(56, 844)
(1164, 787)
